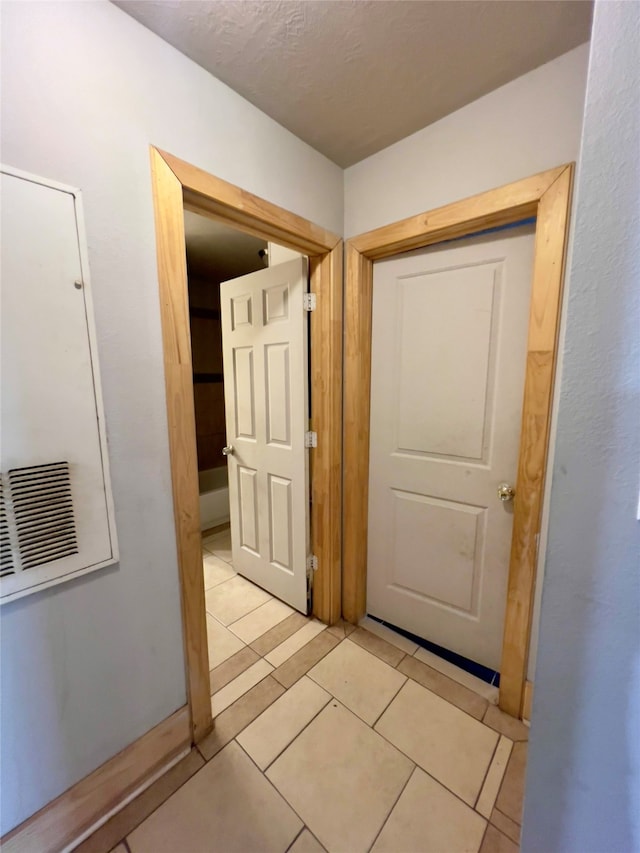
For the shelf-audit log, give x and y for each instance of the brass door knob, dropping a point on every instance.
(506, 492)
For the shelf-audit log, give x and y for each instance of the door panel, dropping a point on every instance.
(264, 340)
(447, 372)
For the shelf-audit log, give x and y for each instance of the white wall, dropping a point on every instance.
(531, 124)
(583, 779)
(91, 665)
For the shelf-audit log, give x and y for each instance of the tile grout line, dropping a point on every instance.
(239, 675)
(310, 668)
(484, 778)
(395, 803)
(306, 726)
(296, 838)
(279, 793)
(488, 823)
(453, 704)
(442, 674)
(253, 609)
(375, 722)
(431, 776)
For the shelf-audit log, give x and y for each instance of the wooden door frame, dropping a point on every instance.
(177, 186)
(546, 196)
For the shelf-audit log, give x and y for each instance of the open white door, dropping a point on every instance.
(264, 344)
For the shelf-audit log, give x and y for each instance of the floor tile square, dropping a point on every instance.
(430, 819)
(358, 679)
(220, 545)
(296, 641)
(276, 727)
(450, 745)
(221, 643)
(228, 805)
(216, 571)
(341, 778)
(260, 620)
(233, 599)
(239, 686)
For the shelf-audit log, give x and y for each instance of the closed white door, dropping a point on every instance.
(447, 369)
(264, 344)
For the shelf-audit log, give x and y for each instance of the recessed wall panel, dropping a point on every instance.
(244, 392)
(241, 311)
(280, 521)
(248, 492)
(437, 549)
(278, 392)
(443, 361)
(276, 304)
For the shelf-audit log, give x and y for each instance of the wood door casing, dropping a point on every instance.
(546, 196)
(448, 363)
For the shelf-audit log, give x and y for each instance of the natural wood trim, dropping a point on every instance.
(491, 209)
(206, 194)
(547, 196)
(178, 372)
(357, 398)
(178, 185)
(326, 418)
(527, 700)
(548, 269)
(66, 818)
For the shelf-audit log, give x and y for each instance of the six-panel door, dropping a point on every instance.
(264, 338)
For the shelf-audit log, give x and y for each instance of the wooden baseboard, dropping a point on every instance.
(527, 700)
(66, 818)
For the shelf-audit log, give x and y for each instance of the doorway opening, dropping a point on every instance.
(179, 187)
(249, 350)
(546, 197)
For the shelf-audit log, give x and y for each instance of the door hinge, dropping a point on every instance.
(309, 302)
(312, 564)
(311, 439)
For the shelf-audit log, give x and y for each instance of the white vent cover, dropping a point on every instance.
(56, 510)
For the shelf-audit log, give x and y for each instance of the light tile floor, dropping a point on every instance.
(338, 739)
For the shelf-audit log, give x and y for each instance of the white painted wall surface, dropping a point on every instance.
(90, 666)
(531, 124)
(583, 779)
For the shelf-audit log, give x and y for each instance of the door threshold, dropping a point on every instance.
(484, 673)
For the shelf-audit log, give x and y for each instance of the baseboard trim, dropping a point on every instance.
(67, 819)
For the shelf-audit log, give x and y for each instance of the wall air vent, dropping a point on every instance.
(6, 557)
(43, 513)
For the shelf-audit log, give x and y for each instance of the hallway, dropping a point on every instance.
(338, 739)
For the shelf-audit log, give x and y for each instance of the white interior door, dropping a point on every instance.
(264, 344)
(447, 369)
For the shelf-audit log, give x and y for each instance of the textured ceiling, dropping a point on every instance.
(217, 252)
(353, 76)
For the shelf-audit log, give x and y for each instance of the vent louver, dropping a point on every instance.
(6, 556)
(42, 509)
